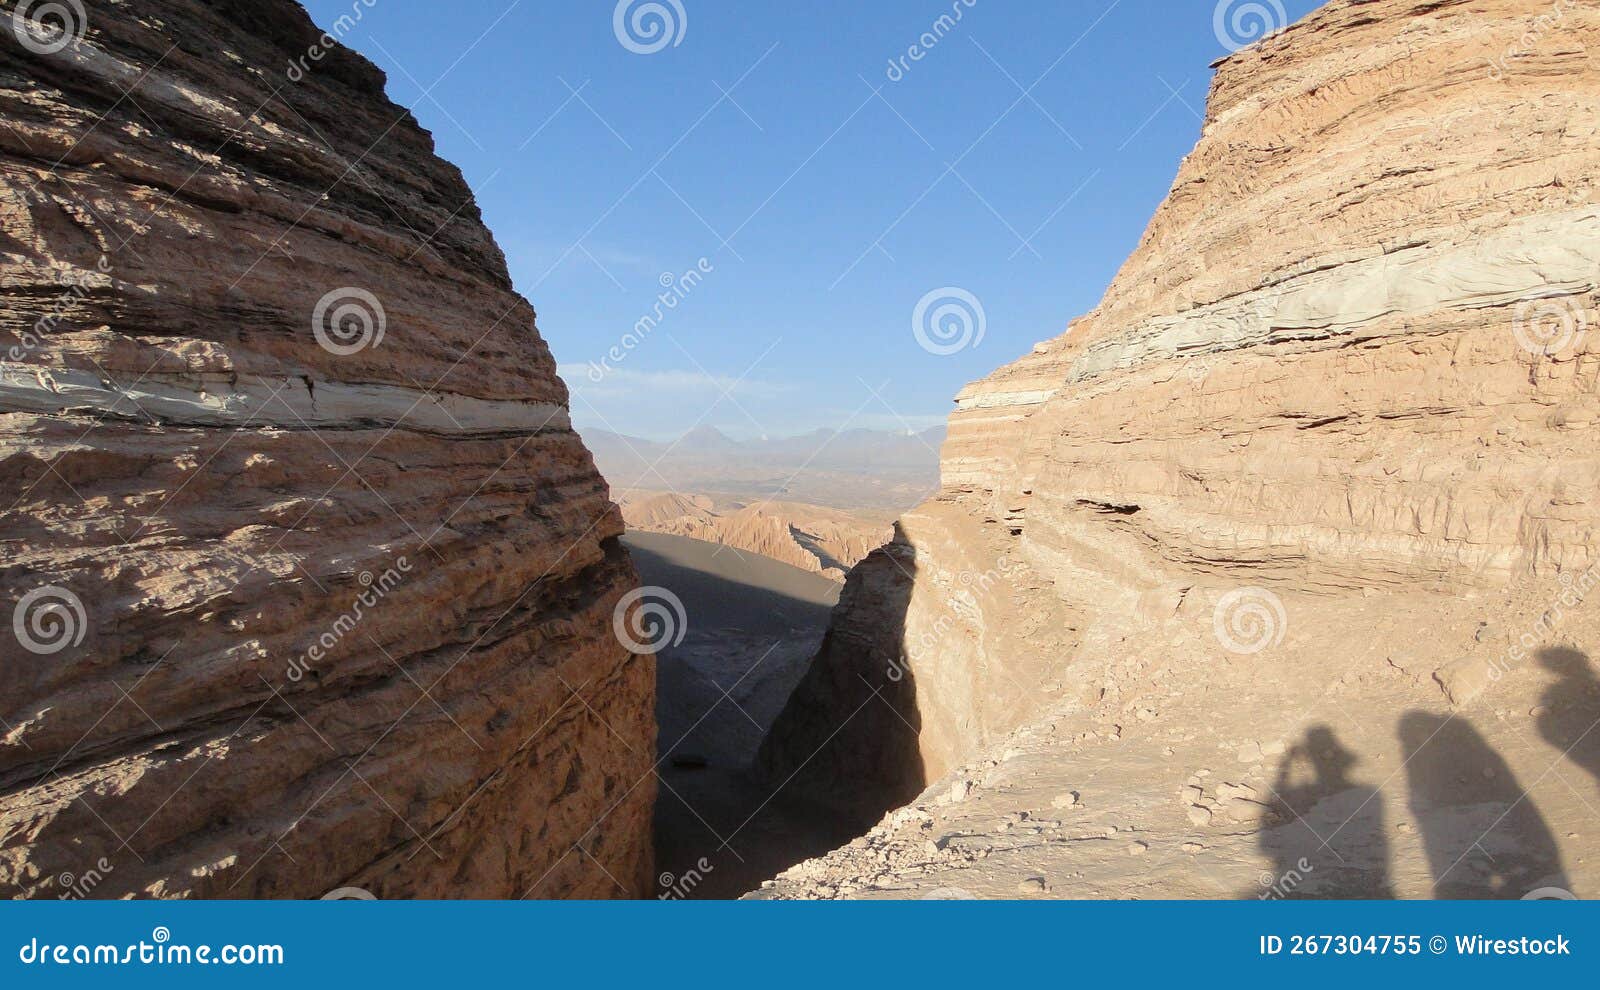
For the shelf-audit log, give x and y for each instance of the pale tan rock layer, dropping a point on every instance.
(1308, 378)
(823, 541)
(179, 453)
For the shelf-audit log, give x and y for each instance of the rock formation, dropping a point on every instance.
(823, 541)
(1324, 452)
(310, 583)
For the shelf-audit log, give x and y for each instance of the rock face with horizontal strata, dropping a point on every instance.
(288, 617)
(1351, 363)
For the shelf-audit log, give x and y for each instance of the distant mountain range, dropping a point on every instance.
(848, 469)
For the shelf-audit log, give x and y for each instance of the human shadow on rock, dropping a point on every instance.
(1481, 832)
(1331, 841)
(1569, 711)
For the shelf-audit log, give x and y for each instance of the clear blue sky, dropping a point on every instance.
(825, 212)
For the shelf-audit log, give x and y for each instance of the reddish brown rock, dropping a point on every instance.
(289, 617)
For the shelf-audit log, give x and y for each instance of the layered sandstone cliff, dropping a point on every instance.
(1323, 454)
(310, 583)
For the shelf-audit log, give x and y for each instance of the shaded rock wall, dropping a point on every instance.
(1350, 361)
(312, 581)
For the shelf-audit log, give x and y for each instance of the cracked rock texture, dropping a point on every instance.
(345, 611)
(1337, 408)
